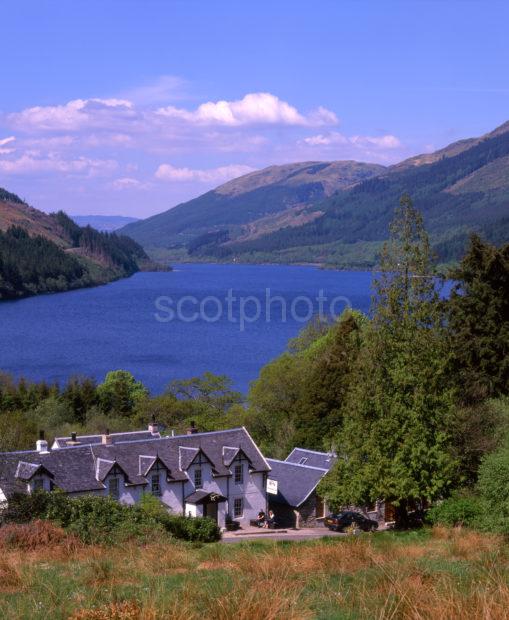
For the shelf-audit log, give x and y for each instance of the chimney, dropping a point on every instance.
(106, 438)
(153, 427)
(192, 429)
(41, 444)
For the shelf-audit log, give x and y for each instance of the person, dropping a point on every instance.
(271, 521)
(260, 521)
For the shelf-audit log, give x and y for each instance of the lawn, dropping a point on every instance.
(433, 574)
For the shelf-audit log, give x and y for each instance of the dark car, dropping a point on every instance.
(338, 522)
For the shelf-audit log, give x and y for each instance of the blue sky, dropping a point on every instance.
(131, 106)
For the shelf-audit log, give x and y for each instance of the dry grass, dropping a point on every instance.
(439, 575)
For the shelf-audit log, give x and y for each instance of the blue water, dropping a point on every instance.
(91, 331)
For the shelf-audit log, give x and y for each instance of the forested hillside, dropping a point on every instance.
(252, 204)
(42, 253)
(342, 218)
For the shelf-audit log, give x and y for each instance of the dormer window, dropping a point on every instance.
(239, 474)
(38, 484)
(113, 488)
(198, 481)
(155, 485)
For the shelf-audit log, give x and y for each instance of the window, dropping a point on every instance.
(38, 484)
(238, 507)
(303, 461)
(197, 478)
(239, 474)
(113, 488)
(156, 485)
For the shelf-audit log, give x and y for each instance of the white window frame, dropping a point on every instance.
(238, 502)
(238, 473)
(155, 485)
(198, 478)
(114, 482)
(303, 460)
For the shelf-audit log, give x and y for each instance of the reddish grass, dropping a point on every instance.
(35, 535)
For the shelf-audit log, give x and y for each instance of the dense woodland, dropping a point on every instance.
(34, 264)
(414, 397)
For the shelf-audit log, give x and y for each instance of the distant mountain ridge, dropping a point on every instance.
(104, 223)
(279, 214)
(41, 253)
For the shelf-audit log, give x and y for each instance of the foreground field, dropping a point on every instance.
(434, 574)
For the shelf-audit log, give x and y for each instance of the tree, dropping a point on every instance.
(298, 398)
(478, 319)
(120, 392)
(394, 443)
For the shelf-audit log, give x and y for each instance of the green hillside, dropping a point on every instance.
(41, 253)
(256, 197)
(465, 189)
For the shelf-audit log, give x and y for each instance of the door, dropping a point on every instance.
(210, 510)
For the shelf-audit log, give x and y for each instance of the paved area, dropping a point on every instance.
(256, 533)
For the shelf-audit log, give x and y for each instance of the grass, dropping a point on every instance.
(434, 574)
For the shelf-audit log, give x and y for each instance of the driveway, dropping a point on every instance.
(256, 533)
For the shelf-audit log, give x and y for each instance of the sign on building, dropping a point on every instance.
(271, 486)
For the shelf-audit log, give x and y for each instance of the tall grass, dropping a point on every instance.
(433, 575)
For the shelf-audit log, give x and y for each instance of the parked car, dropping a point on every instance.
(338, 522)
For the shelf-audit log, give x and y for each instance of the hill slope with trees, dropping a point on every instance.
(41, 253)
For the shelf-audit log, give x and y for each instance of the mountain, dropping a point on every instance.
(41, 253)
(105, 223)
(252, 205)
(280, 215)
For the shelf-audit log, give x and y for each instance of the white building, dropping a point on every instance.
(212, 474)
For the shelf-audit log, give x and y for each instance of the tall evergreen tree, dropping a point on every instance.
(394, 445)
(478, 319)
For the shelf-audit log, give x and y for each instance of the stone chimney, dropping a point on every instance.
(73, 441)
(106, 438)
(153, 427)
(192, 429)
(41, 444)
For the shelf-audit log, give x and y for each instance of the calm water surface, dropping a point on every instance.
(92, 331)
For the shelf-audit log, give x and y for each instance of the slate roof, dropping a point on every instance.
(92, 440)
(75, 468)
(295, 482)
(324, 460)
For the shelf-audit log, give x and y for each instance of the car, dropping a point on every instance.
(339, 521)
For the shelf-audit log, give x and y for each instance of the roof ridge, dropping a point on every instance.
(298, 465)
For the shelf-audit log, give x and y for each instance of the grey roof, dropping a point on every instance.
(75, 469)
(324, 460)
(93, 440)
(26, 471)
(295, 482)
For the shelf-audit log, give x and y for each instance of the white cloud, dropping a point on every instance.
(8, 140)
(4, 150)
(164, 88)
(73, 115)
(29, 163)
(335, 138)
(167, 172)
(254, 108)
(128, 183)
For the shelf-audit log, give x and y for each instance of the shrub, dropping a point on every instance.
(102, 520)
(458, 510)
(493, 487)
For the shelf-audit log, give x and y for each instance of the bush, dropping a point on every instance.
(458, 510)
(102, 520)
(493, 487)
